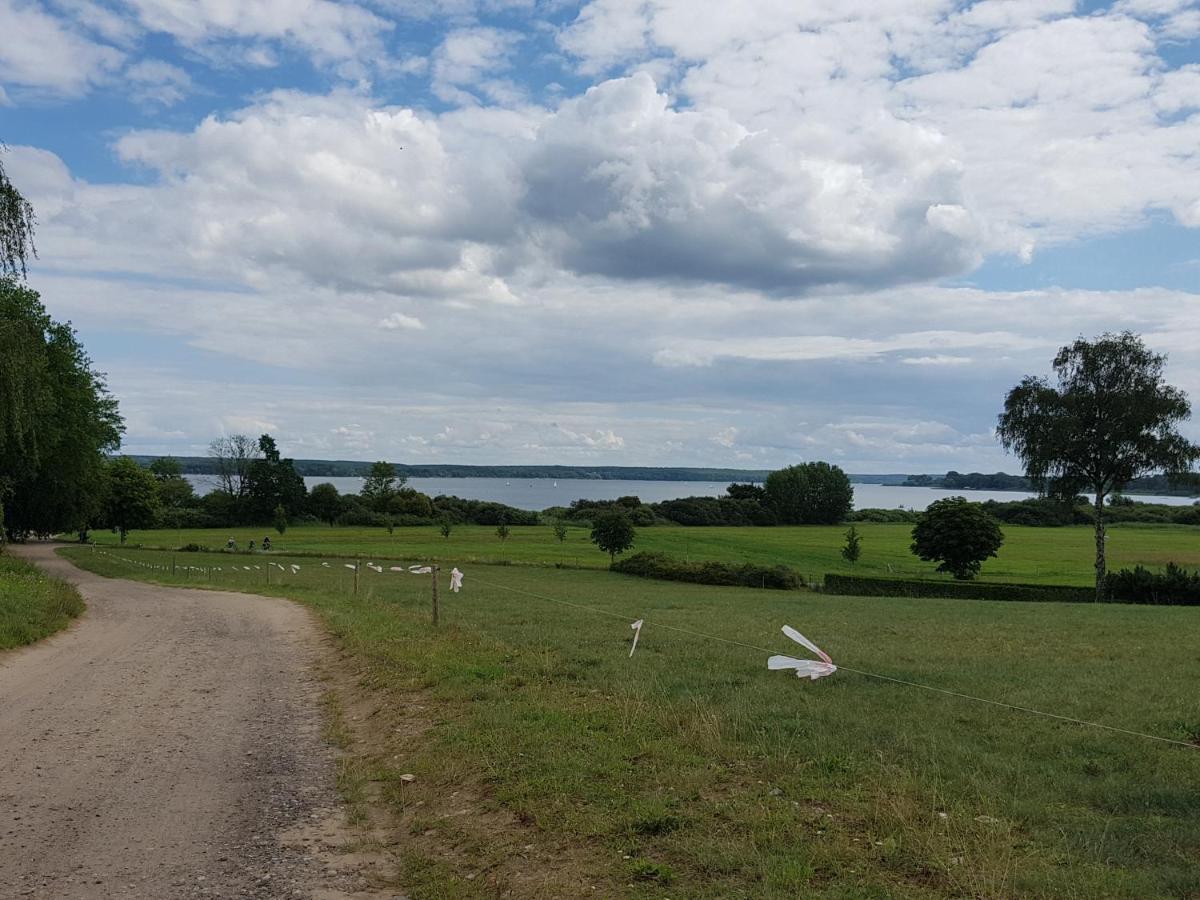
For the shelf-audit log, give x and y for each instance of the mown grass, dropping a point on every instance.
(1034, 555)
(549, 763)
(32, 606)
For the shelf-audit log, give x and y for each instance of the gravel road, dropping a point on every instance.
(169, 745)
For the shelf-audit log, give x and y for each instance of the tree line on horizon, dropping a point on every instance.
(1108, 419)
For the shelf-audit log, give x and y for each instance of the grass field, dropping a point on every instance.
(549, 763)
(1035, 555)
(32, 606)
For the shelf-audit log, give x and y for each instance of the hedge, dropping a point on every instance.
(1174, 587)
(856, 586)
(658, 565)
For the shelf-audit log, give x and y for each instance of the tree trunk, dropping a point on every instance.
(1101, 562)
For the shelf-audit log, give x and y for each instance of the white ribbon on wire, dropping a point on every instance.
(805, 668)
(456, 578)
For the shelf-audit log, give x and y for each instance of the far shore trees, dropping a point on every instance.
(813, 493)
(1110, 418)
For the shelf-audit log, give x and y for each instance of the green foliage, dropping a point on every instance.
(380, 486)
(958, 535)
(709, 511)
(864, 586)
(560, 531)
(56, 420)
(755, 492)
(613, 532)
(272, 481)
(482, 512)
(325, 502)
(658, 565)
(813, 493)
(852, 550)
(165, 467)
(281, 519)
(445, 528)
(502, 531)
(1175, 586)
(132, 500)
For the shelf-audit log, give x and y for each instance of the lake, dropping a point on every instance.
(539, 493)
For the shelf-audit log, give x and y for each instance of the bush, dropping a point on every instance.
(481, 512)
(883, 515)
(813, 493)
(1174, 587)
(659, 565)
(863, 586)
(362, 517)
(957, 535)
(715, 511)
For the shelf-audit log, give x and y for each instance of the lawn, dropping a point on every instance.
(547, 762)
(32, 606)
(1034, 555)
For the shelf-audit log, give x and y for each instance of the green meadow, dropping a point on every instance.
(1034, 555)
(545, 762)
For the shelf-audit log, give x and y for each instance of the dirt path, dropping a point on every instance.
(168, 745)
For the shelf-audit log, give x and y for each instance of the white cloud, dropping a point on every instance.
(401, 321)
(470, 60)
(157, 82)
(330, 32)
(42, 53)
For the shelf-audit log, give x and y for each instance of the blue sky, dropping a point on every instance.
(644, 232)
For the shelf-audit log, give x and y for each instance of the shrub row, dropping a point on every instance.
(858, 586)
(1174, 587)
(658, 565)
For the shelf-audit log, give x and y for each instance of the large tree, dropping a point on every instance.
(232, 457)
(16, 228)
(132, 497)
(57, 419)
(272, 481)
(1109, 418)
(381, 485)
(813, 493)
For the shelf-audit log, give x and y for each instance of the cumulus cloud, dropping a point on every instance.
(157, 82)
(743, 226)
(43, 53)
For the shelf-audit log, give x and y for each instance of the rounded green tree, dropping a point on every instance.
(958, 535)
(813, 493)
(613, 532)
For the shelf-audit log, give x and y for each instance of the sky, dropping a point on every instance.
(619, 232)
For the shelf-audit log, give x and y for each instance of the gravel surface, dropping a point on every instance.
(169, 745)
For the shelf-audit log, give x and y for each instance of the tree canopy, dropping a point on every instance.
(613, 531)
(958, 535)
(1109, 418)
(813, 493)
(57, 420)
